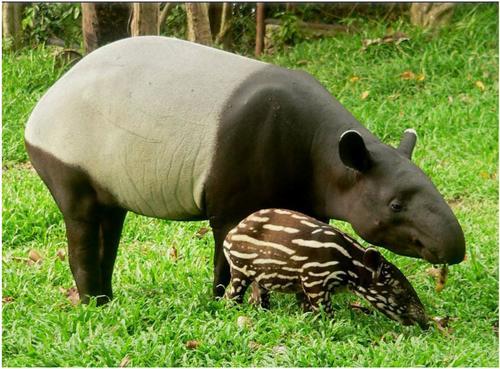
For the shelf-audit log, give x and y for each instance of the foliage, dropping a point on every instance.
(176, 22)
(42, 21)
(289, 32)
(162, 302)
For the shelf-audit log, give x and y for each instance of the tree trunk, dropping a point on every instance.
(223, 35)
(215, 17)
(431, 15)
(198, 23)
(11, 24)
(103, 23)
(145, 19)
(260, 29)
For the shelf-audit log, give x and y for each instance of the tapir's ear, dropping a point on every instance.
(353, 151)
(372, 259)
(408, 142)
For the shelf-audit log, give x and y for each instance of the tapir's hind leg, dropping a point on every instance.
(111, 224)
(83, 246)
(93, 223)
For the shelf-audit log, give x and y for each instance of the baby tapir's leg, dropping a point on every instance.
(316, 295)
(264, 297)
(259, 296)
(239, 285)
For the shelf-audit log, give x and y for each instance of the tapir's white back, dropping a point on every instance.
(140, 116)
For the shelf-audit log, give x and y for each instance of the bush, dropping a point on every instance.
(42, 21)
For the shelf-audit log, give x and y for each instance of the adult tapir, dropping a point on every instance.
(175, 130)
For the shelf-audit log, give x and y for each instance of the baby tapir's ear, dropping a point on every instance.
(372, 259)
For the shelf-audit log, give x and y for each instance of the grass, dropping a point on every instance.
(161, 303)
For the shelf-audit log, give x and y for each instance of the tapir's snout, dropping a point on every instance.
(447, 248)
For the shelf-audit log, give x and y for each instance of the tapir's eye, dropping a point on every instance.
(396, 206)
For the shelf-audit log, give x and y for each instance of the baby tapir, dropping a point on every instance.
(286, 251)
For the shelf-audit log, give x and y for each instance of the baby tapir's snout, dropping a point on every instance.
(286, 251)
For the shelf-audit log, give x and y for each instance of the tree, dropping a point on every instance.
(223, 35)
(145, 19)
(198, 23)
(103, 23)
(260, 31)
(431, 15)
(11, 24)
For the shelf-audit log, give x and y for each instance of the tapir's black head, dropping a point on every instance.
(388, 290)
(395, 205)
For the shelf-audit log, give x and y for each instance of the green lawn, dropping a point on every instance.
(162, 303)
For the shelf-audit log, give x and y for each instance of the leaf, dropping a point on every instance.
(442, 324)
(354, 79)
(172, 253)
(202, 231)
(72, 294)
(440, 275)
(394, 38)
(364, 95)
(192, 344)
(7, 299)
(279, 349)
(420, 77)
(61, 254)
(407, 75)
(125, 361)
(480, 85)
(34, 256)
(252, 345)
(243, 322)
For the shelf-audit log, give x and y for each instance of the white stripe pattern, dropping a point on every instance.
(329, 233)
(284, 212)
(322, 274)
(319, 265)
(315, 283)
(244, 270)
(333, 275)
(314, 295)
(299, 258)
(273, 227)
(288, 269)
(269, 261)
(243, 255)
(265, 276)
(309, 224)
(299, 216)
(316, 231)
(255, 218)
(277, 246)
(358, 263)
(352, 274)
(318, 245)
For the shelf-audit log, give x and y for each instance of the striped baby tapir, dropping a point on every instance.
(287, 251)
(175, 130)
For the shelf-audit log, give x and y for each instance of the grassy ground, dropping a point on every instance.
(162, 303)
